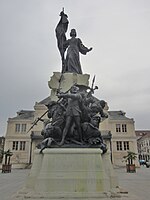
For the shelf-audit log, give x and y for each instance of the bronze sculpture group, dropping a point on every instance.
(73, 120)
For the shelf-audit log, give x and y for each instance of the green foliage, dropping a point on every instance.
(7, 154)
(130, 157)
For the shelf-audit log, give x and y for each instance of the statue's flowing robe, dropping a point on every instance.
(72, 62)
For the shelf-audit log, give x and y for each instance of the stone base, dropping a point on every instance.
(65, 81)
(67, 173)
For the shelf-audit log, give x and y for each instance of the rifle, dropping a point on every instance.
(93, 82)
(37, 120)
(60, 80)
(92, 87)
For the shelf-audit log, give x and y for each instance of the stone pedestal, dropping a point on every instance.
(65, 81)
(70, 173)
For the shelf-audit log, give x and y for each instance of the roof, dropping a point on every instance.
(45, 101)
(118, 115)
(24, 114)
(142, 134)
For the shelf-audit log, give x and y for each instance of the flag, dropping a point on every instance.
(60, 30)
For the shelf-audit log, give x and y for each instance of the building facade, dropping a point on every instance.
(143, 144)
(123, 135)
(17, 139)
(117, 130)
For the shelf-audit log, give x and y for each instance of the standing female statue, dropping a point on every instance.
(73, 45)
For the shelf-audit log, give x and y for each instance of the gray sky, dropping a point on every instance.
(118, 31)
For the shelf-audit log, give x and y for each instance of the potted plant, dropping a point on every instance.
(129, 159)
(6, 167)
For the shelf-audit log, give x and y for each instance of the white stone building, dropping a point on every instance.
(143, 143)
(123, 135)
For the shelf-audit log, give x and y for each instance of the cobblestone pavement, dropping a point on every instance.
(137, 184)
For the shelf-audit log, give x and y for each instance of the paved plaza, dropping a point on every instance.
(137, 184)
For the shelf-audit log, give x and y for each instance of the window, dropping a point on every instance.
(124, 128)
(126, 145)
(119, 145)
(17, 129)
(121, 128)
(122, 146)
(118, 128)
(18, 145)
(23, 127)
(15, 145)
(22, 145)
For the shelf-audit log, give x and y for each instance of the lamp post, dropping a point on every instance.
(30, 155)
(110, 135)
